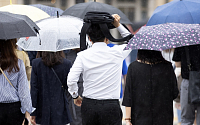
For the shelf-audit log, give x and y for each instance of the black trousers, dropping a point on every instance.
(10, 114)
(101, 112)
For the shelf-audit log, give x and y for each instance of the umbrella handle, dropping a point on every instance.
(57, 14)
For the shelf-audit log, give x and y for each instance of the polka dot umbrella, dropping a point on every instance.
(165, 36)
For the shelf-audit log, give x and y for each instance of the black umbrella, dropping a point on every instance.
(16, 26)
(79, 10)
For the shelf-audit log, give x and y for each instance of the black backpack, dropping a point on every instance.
(104, 20)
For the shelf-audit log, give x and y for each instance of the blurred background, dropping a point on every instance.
(138, 11)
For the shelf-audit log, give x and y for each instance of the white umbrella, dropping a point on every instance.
(56, 34)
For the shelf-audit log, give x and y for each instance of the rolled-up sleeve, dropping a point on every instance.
(24, 91)
(73, 77)
(124, 32)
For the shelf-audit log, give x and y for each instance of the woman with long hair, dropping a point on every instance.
(15, 99)
(48, 85)
(151, 87)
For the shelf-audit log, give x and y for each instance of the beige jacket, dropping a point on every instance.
(24, 56)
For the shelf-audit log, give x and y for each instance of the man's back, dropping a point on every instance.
(101, 70)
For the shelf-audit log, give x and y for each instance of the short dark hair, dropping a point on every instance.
(95, 33)
(8, 57)
(51, 58)
(150, 56)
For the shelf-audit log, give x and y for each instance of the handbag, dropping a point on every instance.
(194, 82)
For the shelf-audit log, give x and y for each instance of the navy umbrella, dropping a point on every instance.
(52, 11)
(16, 26)
(177, 11)
(165, 36)
(79, 10)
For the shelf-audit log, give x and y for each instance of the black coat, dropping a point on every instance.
(149, 91)
(47, 94)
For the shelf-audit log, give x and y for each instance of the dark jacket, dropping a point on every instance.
(47, 94)
(150, 91)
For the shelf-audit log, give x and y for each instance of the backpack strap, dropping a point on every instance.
(84, 30)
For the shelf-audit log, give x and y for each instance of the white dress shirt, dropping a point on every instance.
(101, 67)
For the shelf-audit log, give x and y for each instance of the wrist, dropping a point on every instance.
(128, 119)
(75, 97)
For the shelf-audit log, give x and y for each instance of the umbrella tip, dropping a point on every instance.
(94, 0)
(57, 14)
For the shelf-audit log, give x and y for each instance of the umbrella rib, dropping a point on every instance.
(188, 11)
(4, 30)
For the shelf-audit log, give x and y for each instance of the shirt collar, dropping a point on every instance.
(99, 44)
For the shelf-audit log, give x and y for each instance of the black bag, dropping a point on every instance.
(105, 21)
(194, 82)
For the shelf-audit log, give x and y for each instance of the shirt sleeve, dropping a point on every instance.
(73, 76)
(124, 32)
(124, 68)
(127, 92)
(177, 55)
(24, 91)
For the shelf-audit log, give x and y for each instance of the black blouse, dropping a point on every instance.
(150, 91)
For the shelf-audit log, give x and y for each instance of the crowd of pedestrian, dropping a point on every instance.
(84, 87)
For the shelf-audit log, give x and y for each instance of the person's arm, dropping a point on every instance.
(128, 116)
(27, 65)
(177, 69)
(73, 78)
(127, 100)
(122, 30)
(24, 93)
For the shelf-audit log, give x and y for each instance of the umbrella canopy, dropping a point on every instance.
(165, 36)
(16, 26)
(32, 12)
(56, 34)
(177, 11)
(79, 10)
(52, 11)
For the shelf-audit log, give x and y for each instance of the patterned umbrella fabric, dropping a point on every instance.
(165, 36)
(33, 13)
(52, 11)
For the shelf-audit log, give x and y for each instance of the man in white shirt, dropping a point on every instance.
(101, 67)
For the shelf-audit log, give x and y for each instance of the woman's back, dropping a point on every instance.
(47, 94)
(152, 89)
(15, 96)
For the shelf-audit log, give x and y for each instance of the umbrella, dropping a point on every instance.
(177, 11)
(165, 36)
(32, 12)
(79, 10)
(52, 11)
(56, 34)
(16, 26)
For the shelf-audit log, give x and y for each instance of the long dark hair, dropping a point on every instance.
(51, 58)
(150, 56)
(8, 57)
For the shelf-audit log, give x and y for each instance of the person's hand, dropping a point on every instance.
(116, 20)
(78, 101)
(128, 122)
(33, 120)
